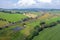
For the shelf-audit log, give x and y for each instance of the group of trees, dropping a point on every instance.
(11, 11)
(3, 19)
(12, 23)
(25, 19)
(58, 21)
(6, 11)
(38, 28)
(3, 27)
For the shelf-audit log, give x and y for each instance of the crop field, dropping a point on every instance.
(45, 26)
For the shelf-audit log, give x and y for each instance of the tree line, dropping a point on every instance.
(39, 28)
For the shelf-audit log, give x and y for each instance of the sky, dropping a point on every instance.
(21, 4)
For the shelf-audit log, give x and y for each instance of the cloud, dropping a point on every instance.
(30, 3)
(45, 1)
(25, 2)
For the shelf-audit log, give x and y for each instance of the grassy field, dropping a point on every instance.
(30, 25)
(15, 32)
(10, 33)
(49, 34)
(12, 17)
(3, 23)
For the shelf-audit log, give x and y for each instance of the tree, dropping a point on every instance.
(25, 19)
(0, 18)
(4, 20)
(6, 26)
(58, 21)
(42, 23)
(38, 28)
(46, 26)
(52, 24)
(9, 21)
(0, 28)
(33, 33)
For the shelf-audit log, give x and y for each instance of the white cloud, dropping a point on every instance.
(31, 4)
(28, 3)
(45, 1)
(25, 2)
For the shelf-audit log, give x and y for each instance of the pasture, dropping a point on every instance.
(3, 23)
(12, 17)
(49, 34)
(30, 28)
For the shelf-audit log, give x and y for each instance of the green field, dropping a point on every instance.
(8, 33)
(12, 17)
(26, 30)
(49, 34)
(3, 23)
(31, 25)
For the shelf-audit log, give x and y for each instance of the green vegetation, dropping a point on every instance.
(3, 23)
(49, 34)
(12, 17)
(20, 27)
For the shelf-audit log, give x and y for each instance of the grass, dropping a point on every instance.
(3, 23)
(8, 34)
(53, 19)
(30, 25)
(12, 17)
(49, 34)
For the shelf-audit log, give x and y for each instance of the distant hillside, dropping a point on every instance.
(30, 9)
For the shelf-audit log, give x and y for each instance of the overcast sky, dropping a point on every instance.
(30, 4)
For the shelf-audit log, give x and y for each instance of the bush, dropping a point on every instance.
(24, 23)
(3, 19)
(13, 22)
(58, 21)
(9, 21)
(42, 23)
(0, 18)
(25, 19)
(6, 26)
(52, 24)
(33, 34)
(1, 28)
(46, 26)
(38, 28)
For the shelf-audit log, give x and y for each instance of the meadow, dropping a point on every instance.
(12, 17)
(45, 34)
(21, 27)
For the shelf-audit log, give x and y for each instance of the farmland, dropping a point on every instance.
(39, 26)
(11, 17)
(45, 34)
